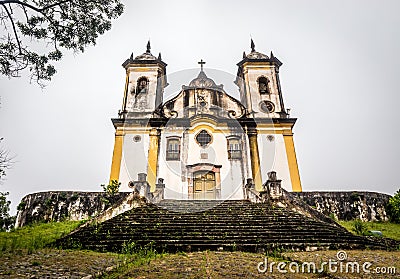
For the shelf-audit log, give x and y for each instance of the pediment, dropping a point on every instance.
(199, 101)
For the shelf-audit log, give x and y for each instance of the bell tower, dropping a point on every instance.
(259, 85)
(269, 126)
(145, 83)
(143, 95)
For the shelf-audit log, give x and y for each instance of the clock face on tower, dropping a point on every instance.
(267, 106)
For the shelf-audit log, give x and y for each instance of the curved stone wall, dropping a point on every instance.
(63, 205)
(367, 206)
(68, 205)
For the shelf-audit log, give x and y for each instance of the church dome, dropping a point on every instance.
(146, 56)
(256, 55)
(202, 81)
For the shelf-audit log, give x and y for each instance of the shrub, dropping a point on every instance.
(359, 227)
(393, 208)
(111, 189)
(21, 205)
(6, 221)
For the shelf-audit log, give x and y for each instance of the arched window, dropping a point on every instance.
(234, 149)
(142, 85)
(173, 149)
(263, 85)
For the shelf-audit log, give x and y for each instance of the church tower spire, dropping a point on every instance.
(146, 80)
(259, 85)
(261, 94)
(253, 46)
(148, 47)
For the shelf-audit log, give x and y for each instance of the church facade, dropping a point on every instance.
(204, 143)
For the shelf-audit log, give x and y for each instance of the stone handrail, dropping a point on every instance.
(157, 196)
(253, 195)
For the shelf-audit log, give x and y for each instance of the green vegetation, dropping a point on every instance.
(359, 227)
(393, 208)
(110, 191)
(57, 24)
(133, 256)
(21, 206)
(6, 221)
(390, 230)
(112, 188)
(36, 236)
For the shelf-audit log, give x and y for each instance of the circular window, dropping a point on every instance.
(137, 138)
(203, 138)
(267, 106)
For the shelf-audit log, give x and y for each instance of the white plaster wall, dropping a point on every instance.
(175, 183)
(252, 75)
(134, 159)
(231, 175)
(150, 97)
(232, 185)
(273, 157)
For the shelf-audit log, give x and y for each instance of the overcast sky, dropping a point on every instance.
(339, 76)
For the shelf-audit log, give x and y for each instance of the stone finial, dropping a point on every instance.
(159, 56)
(142, 177)
(253, 46)
(272, 176)
(148, 47)
(131, 58)
(272, 55)
(244, 54)
(249, 183)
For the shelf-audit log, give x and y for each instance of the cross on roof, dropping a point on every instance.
(201, 64)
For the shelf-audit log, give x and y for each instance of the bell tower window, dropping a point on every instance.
(263, 85)
(173, 149)
(234, 149)
(142, 85)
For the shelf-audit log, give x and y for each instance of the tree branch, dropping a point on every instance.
(21, 3)
(14, 29)
(39, 10)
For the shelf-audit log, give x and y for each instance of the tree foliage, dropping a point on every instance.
(5, 161)
(34, 32)
(359, 227)
(6, 221)
(111, 189)
(393, 208)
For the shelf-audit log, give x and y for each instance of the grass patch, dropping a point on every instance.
(132, 256)
(390, 230)
(35, 236)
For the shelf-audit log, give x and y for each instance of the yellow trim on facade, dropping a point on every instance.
(197, 129)
(292, 162)
(141, 68)
(153, 159)
(117, 157)
(257, 65)
(255, 160)
(125, 91)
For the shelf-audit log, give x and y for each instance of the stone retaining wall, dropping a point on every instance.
(61, 205)
(367, 206)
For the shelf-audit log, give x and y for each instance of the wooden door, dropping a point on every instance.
(204, 185)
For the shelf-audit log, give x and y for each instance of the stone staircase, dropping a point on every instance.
(192, 225)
